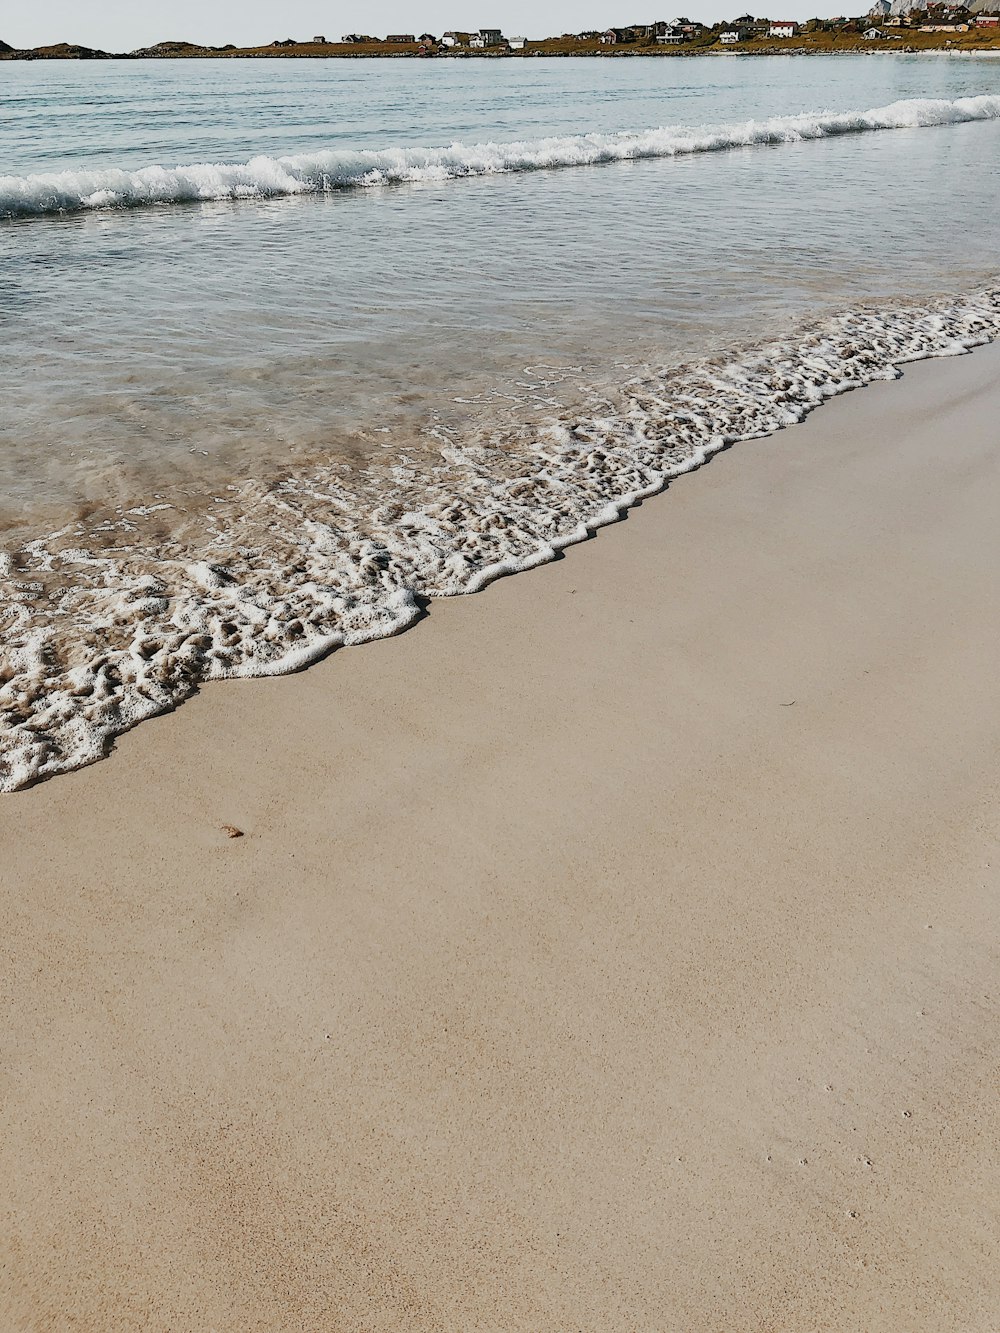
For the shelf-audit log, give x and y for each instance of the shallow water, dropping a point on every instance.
(200, 362)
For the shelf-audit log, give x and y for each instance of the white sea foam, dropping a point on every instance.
(322, 172)
(96, 637)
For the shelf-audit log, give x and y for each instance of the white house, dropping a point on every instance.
(728, 38)
(781, 28)
(517, 43)
(872, 34)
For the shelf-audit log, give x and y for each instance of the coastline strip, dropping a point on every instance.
(563, 977)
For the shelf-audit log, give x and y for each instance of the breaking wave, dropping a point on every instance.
(323, 172)
(100, 632)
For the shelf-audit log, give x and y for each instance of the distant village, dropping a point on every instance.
(935, 17)
(881, 23)
(889, 21)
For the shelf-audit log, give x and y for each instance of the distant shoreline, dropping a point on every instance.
(913, 43)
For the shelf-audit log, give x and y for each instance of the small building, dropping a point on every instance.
(873, 34)
(319, 41)
(492, 37)
(730, 38)
(517, 43)
(401, 38)
(781, 28)
(609, 38)
(988, 21)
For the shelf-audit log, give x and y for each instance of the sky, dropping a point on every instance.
(123, 25)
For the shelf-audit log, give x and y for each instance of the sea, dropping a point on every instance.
(291, 348)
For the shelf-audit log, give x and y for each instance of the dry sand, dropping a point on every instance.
(617, 950)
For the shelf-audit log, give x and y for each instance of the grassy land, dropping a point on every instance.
(825, 43)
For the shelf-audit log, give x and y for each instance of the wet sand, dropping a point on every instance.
(615, 950)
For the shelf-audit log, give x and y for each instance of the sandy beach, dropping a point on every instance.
(615, 950)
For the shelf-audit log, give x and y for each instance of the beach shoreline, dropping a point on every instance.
(101, 638)
(614, 949)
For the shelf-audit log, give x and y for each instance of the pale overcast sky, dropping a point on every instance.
(122, 25)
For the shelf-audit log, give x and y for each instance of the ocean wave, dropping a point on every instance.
(96, 637)
(324, 172)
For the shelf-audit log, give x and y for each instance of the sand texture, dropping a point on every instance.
(616, 950)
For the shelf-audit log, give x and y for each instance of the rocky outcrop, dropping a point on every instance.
(883, 9)
(67, 51)
(166, 50)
